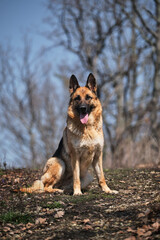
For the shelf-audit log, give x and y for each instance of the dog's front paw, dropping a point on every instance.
(77, 193)
(114, 192)
(108, 190)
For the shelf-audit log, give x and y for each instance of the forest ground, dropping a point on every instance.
(133, 213)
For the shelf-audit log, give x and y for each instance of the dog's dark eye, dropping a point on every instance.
(78, 98)
(88, 97)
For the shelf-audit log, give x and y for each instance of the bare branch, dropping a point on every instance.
(145, 25)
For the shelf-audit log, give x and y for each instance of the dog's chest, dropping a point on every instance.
(90, 141)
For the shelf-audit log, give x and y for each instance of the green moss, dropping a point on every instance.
(53, 205)
(1, 172)
(83, 198)
(15, 217)
(3, 204)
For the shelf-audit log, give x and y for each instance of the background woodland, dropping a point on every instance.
(119, 42)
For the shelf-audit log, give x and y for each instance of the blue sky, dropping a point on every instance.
(21, 17)
(18, 17)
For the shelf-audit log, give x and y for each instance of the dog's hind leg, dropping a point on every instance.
(53, 173)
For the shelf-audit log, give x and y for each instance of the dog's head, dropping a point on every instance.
(83, 100)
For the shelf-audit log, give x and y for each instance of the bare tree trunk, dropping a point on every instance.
(156, 79)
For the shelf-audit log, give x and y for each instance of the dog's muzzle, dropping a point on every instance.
(83, 113)
(83, 109)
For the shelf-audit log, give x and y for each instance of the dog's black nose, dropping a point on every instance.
(83, 109)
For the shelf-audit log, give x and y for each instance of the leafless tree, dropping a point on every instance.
(119, 41)
(28, 107)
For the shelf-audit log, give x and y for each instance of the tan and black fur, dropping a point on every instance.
(80, 147)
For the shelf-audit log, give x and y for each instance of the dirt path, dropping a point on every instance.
(132, 214)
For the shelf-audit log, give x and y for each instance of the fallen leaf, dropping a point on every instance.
(147, 234)
(40, 221)
(28, 225)
(125, 191)
(146, 227)
(141, 231)
(147, 212)
(59, 214)
(144, 231)
(6, 229)
(88, 227)
(130, 238)
(131, 230)
(23, 229)
(86, 220)
(17, 180)
(10, 225)
(120, 232)
(49, 238)
(156, 226)
(141, 215)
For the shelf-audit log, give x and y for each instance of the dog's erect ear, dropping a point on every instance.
(73, 85)
(91, 83)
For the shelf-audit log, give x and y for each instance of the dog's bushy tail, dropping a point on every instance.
(37, 187)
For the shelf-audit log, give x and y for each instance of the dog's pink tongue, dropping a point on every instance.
(84, 118)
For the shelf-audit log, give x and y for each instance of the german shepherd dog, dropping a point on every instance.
(80, 147)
